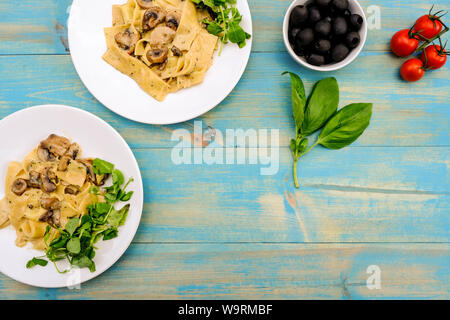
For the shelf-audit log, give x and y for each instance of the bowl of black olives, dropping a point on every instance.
(325, 35)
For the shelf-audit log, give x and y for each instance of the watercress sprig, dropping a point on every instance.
(340, 128)
(75, 242)
(226, 23)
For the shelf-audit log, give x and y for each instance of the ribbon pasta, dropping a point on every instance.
(161, 44)
(50, 186)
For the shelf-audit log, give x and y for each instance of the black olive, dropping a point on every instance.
(352, 39)
(299, 15)
(323, 28)
(347, 13)
(339, 53)
(322, 45)
(314, 14)
(316, 59)
(356, 22)
(340, 4)
(293, 33)
(340, 26)
(304, 37)
(323, 3)
(299, 50)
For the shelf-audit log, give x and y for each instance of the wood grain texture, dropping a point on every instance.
(261, 271)
(404, 114)
(226, 231)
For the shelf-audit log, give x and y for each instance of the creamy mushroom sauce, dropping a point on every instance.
(161, 44)
(49, 186)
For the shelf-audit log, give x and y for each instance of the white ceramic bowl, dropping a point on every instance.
(356, 8)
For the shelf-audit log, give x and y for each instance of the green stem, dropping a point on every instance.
(308, 150)
(428, 41)
(295, 174)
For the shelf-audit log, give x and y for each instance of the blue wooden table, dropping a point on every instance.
(226, 231)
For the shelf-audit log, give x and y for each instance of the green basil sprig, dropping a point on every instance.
(340, 128)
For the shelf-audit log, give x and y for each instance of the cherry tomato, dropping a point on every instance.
(412, 70)
(428, 26)
(434, 57)
(403, 43)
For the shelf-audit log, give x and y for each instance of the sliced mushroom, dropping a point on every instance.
(64, 163)
(146, 4)
(88, 163)
(56, 145)
(46, 178)
(71, 189)
(101, 179)
(162, 36)
(127, 40)
(73, 151)
(51, 217)
(46, 216)
(157, 55)
(19, 186)
(50, 203)
(44, 155)
(35, 179)
(176, 52)
(173, 18)
(152, 17)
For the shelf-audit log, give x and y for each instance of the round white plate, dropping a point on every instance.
(122, 94)
(22, 131)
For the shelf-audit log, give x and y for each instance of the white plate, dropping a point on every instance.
(22, 131)
(122, 95)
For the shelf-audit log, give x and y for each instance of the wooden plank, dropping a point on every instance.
(39, 26)
(352, 195)
(404, 114)
(261, 271)
(34, 26)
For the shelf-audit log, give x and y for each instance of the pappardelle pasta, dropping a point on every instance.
(56, 200)
(162, 44)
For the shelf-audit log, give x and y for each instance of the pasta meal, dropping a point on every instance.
(162, 44)
(54, 202)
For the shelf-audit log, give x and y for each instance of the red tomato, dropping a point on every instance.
(428, 26)
(434, 57)
(412, 70)
(403, 43)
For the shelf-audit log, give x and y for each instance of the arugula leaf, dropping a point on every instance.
(117, 177)
(83, 262)
(36, 261)
(72, 225)
(102, 167)
(74, 245)
(226, 23)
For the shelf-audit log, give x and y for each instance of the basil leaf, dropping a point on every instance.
(35, 261)
(102, 166)
(74, 246)
(346, 126)
(322, 105)
(298, 99)
(72, 225)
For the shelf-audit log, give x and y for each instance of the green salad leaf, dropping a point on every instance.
(76, 241)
